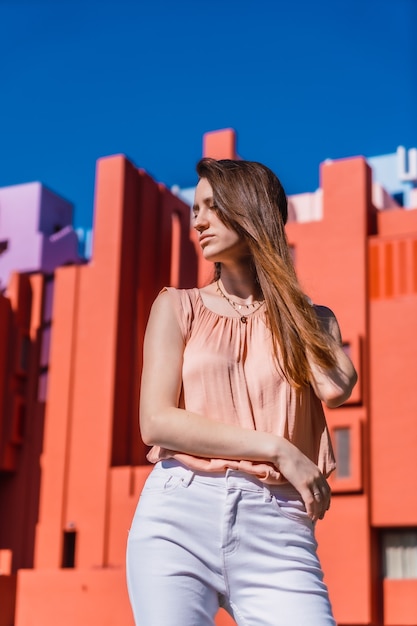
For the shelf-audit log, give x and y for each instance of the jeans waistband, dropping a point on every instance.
(229, 477)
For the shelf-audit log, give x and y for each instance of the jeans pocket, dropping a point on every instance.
(294, 510)
(161, 482)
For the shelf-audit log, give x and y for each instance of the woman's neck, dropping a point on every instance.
(241, 283)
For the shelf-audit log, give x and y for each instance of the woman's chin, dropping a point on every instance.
(209, 255)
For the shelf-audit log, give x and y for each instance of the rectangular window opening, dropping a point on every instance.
(342, 439)
(19, 423)
(68, 548)
(24, 354)
(399, 554)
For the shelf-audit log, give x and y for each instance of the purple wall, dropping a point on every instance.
(36, 232)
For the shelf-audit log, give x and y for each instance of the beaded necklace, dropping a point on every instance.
(237, 306)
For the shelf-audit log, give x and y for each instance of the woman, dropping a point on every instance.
(233, 379)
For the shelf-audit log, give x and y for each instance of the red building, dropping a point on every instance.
(71, 462)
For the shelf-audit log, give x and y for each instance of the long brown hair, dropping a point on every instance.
(250, 199)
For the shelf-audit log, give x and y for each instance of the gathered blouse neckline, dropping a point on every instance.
(259, 310)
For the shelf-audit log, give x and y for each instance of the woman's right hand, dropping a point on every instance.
(306, 477)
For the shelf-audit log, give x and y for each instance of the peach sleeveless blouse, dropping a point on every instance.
(229, 376)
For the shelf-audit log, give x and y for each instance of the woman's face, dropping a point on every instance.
(219, 242)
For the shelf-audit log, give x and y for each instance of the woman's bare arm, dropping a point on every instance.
(333, 386)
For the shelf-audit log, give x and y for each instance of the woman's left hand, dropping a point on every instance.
(306, 477)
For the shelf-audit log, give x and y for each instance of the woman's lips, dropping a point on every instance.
(204, 238)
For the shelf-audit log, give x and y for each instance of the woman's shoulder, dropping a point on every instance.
(181, 296)
(328, 320)
(180, 291)
(183, 302)
(323, 311)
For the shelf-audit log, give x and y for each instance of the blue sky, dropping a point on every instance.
(300, 81)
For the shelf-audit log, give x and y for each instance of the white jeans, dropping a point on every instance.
(199, 541)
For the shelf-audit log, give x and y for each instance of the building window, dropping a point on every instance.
(45, 345)
(43, 384)
(48, 297)
(24, 353)
(346, 433)
(19, 422)
(68, 548)
(342, 442)
(399, 198)
(399, 552)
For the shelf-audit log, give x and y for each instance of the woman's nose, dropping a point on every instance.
(199, 226)
(200, 222)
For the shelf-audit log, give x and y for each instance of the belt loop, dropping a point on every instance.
(188, 478)
(267, 494)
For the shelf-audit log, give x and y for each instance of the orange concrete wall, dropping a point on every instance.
(69, 597)
(400, 606)
(220, 144)
(57, 432)
(21, 424)
(393, 384)
(21, 416)
(91, 434)
(100, 316)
